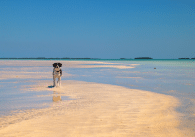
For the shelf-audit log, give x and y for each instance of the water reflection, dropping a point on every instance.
(56, 96)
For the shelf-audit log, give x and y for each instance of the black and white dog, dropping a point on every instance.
(57, 73)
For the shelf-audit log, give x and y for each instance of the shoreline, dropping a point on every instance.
(100, 110)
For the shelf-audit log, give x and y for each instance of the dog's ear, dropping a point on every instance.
(59, 64)
(54, 64)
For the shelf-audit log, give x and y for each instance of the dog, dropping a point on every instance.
(57, 73)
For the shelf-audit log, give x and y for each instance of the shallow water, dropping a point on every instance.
(168, 75)
(14, 98)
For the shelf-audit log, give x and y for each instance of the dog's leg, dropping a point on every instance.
(54, 81)
(59, 81)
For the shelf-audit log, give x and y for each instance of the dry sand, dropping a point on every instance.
(96, 110)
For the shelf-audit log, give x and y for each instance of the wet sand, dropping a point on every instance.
(95, 110)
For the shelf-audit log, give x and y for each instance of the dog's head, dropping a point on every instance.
(57, 65)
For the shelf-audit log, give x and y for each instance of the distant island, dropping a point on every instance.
(183, 58)
(143, 58)
(125, 58)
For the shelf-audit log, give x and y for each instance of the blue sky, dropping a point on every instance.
(107, 29)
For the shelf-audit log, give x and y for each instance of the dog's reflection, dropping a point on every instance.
(56, 96)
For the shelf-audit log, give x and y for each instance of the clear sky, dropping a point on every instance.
(107, 29)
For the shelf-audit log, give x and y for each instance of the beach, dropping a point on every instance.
(93, 109)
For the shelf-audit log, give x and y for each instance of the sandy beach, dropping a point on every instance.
(95, 109)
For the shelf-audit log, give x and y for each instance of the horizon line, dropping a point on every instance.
(137, 58)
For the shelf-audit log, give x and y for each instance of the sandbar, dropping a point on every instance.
(97, 110)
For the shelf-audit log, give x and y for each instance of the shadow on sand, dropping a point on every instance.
(50, 86)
